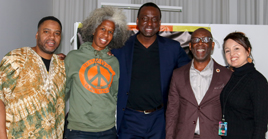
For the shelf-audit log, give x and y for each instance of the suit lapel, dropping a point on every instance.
(209, 94)
(129, 58)
(188, 88)
(162, 57)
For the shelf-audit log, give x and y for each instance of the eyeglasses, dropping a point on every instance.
(204, 39)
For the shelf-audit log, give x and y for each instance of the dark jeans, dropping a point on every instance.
(137, 125)
(75, 134)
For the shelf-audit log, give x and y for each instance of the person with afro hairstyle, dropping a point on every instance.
(92, 76)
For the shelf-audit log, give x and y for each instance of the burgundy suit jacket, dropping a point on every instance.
(183, 110)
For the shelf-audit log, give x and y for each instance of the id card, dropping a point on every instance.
(222, 128)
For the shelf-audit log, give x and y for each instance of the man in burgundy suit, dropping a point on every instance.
(193, 109)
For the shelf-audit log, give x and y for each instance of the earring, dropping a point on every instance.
(249, 60)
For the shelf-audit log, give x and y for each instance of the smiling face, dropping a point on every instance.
(103, 35)
(148, 21)
(235, 54)
(48, 37)
(201, 50)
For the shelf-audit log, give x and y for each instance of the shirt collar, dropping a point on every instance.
(208, 70)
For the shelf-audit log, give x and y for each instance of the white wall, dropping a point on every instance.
(19, 19)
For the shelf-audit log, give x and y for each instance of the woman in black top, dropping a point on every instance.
(244, 99)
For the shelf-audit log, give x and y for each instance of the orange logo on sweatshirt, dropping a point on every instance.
(96, 76)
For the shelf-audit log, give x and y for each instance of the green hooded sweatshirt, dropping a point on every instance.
(91, 87)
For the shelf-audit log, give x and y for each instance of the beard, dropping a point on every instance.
(47, 51)
(43, 48)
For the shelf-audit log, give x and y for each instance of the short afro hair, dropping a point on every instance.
(49, 18)
(149, 4)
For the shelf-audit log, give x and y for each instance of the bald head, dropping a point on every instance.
(201, 31)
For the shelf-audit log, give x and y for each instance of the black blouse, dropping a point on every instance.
(244, 102)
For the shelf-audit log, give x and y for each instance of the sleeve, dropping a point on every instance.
(260, 104)
(115, 52)
(68, 77)
(183, 58)
(9, 73)
(115, 84)
(1, 86)
(172, 112)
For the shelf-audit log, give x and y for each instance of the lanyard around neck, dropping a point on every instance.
(223, 109)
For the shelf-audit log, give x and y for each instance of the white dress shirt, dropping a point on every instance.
(200, 82)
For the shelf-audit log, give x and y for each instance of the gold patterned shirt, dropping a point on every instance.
(33, 97)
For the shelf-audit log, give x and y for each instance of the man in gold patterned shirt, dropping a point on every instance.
(32, 85)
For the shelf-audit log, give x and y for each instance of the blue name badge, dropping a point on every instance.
(222, 128)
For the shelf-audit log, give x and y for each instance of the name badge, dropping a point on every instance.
(222, 128)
